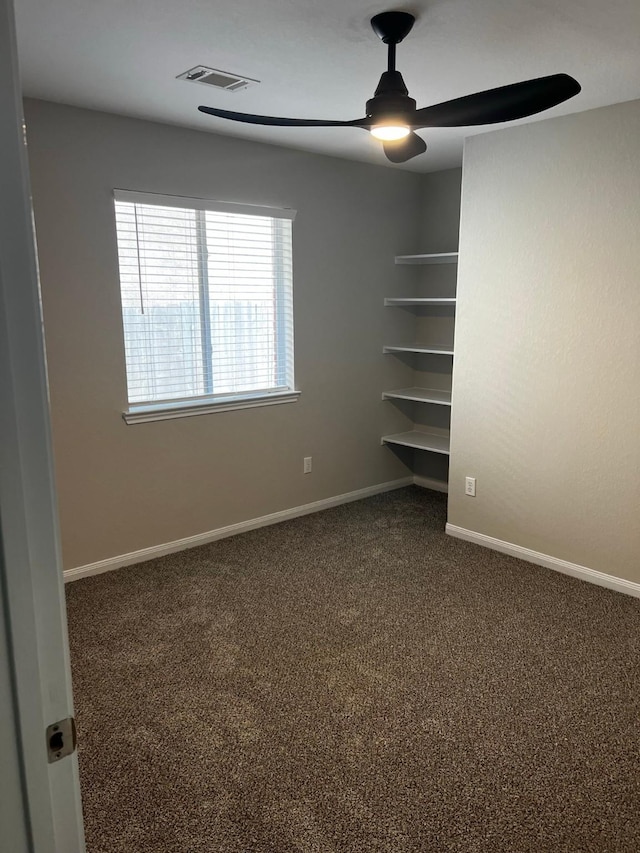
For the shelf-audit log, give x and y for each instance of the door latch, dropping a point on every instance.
(61, 739)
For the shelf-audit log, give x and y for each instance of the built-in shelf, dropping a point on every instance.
(423, 348)
(438, 258)
(422, 400)
(420, 395)
(390, 301)
(420, 441)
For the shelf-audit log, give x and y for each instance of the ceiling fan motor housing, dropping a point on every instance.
(391, 100)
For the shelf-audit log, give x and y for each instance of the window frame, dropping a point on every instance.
(156, 410)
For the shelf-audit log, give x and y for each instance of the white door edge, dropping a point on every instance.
(32, 619)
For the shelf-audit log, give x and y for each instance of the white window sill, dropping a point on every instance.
(187, 409)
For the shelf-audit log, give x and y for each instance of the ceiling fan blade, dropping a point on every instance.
(505, 103)
(274, 121)
(404, 149)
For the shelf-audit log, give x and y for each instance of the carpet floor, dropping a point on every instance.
(355, 681)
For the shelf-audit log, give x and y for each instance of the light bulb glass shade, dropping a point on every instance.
(390, 132)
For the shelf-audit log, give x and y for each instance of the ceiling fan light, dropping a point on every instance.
(390, 132)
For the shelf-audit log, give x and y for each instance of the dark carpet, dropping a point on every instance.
(355, 680)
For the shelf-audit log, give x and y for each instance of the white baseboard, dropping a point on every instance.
(573, 569)
(230, 530)
(428, 483)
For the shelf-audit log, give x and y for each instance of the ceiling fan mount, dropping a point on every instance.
(391, 114)
(392, 27)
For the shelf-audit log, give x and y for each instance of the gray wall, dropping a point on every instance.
(441, 210)
(546, 400)
(122, 488)
(439, 233)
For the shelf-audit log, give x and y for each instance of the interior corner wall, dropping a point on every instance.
(124, 488)
(440, 224)
(546, 395)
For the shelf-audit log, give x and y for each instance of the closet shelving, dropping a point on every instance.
(437, 258)
(421, 439)
(420, 395)
(425, 349)
(407, 302)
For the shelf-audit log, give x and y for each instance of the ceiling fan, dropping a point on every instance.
(391, 115)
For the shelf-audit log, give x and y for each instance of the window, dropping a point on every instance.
(207, 304)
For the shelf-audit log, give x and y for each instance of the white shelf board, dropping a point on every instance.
(392, 300)
(420, 441)
(438, 258)
(420, 395)
(418, 348)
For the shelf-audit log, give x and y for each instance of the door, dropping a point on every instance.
(39, 801)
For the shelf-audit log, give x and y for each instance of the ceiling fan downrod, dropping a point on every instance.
(391, 101)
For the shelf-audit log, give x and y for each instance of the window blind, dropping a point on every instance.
(207, 301)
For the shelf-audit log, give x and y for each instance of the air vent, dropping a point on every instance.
(215, 77)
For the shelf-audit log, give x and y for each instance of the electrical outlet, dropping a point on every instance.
(307, 464)
(470, 486)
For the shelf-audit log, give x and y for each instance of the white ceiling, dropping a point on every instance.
(320, 59)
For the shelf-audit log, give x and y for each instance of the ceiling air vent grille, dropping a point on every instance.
(215, 77)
